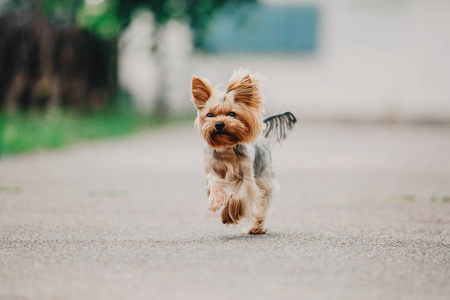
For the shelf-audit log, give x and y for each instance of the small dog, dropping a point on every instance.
(239, 175)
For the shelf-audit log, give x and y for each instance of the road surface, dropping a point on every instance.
(363, 213)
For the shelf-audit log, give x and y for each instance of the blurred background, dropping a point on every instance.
(73, 70)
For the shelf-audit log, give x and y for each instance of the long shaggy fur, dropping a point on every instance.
(239, 174)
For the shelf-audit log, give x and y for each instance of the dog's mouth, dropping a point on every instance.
(223, 139)
(222, 132)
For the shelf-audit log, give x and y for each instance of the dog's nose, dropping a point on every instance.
(219, 125)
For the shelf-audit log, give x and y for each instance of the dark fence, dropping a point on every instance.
(43, 66)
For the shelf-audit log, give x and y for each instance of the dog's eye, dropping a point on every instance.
(209, 115)
(232, 114)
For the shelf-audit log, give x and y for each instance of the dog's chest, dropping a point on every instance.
(228, 164)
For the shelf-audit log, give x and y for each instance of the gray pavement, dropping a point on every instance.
(363, 213)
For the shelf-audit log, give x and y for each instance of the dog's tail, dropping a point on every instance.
(278, 127)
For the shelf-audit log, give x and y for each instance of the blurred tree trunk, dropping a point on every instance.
(87, 68)
(47, 86)
(32, 68)
(16, 58)
(113, 66)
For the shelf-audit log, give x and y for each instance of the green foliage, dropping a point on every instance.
(197, 13)
(106, 18)
(100, 17)
(60, 8)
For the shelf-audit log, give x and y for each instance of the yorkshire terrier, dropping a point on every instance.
(239, 174)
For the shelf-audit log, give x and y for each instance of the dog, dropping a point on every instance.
(239, 173)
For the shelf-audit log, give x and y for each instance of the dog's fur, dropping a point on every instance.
(239, 174)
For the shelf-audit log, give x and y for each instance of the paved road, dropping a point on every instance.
(363, 213)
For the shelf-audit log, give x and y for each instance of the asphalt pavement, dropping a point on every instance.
(363, 212)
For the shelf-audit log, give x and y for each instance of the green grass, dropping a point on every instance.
(444, 199)
(27, 132)
(10, 189)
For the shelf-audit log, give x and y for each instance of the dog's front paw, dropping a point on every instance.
(232, 212)
(216, 200)
(226, 218)
(257, 230)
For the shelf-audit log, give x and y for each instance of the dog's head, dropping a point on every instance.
(226, 119)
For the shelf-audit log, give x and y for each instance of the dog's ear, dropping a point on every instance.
(201, 91)
(245, 88)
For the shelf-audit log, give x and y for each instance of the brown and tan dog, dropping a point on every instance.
(239, 174)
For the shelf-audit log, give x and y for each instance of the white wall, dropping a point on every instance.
(377, 59)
